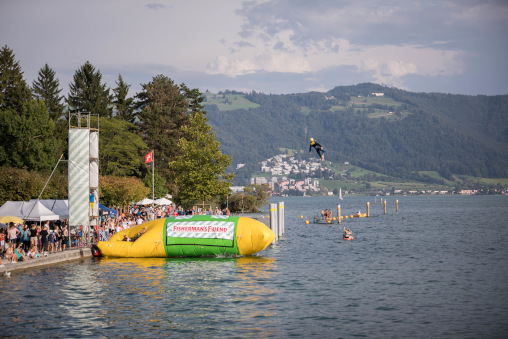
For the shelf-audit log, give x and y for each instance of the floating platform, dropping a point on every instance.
(189, 236)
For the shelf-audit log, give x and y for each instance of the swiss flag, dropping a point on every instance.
(149, 157)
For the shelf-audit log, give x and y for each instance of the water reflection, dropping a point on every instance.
(187, 295)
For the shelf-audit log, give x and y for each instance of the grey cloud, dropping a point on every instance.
(375, 23)
(155, 6)
(243, 43)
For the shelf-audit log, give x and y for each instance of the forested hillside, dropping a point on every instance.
(397, 133)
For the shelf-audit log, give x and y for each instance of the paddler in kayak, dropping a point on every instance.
(347, 234)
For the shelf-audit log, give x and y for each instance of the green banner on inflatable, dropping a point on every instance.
(200, 235)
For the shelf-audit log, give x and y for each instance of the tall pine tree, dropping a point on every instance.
(87, 94)
(46, 88)
(163, 112)
(124, 105)
(29, 138)
(14, 92)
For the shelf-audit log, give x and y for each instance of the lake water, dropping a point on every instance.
(436, 269)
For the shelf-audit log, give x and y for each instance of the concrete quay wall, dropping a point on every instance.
(51, 259)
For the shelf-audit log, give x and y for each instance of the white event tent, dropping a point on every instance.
(163, 202)
(32, 210)
(145, 201)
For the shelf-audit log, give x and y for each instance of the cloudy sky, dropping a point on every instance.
(271, 46)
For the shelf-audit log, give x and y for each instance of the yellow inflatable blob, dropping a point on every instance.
(189, 236)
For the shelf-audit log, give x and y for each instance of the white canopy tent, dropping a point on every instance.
(163, 202)
(60, 207)
(34, 210)
(145, 201)
(12, 208)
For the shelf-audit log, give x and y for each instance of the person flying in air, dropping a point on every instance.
(319, 149)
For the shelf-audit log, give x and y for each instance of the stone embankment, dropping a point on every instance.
(51, 259)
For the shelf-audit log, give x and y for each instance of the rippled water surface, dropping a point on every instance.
(436, 269)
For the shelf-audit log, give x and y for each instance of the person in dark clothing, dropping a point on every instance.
(44, 239)
(319, 149)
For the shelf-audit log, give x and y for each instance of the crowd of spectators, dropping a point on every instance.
(20, 242)
(136, 215)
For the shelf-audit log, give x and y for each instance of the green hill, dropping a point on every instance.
(396, 134)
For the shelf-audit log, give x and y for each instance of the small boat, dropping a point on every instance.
(347, 237)
(317, 220)
(340, 194)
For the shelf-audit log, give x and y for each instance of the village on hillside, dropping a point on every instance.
(286, 175)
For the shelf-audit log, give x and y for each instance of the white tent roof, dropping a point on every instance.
(60, 207)
(145, 201)
(12, 208)
(163, 201)
(35, 210)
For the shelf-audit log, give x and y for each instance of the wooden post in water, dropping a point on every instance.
(338, 213)
(273, 221)
(396, 205)
(368, 209)
(385, 206)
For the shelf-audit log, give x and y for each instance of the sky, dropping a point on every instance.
(269, 46)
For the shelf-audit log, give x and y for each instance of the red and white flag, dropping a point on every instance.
(149, 157)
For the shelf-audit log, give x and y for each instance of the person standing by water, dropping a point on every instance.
(26, 238)
(44, 240)
(65, 238)
(13, 234)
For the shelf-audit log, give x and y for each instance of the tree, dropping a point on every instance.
(160, 184)
(116, 191)
(163, 113)
(201, 165)
(29, 138)
(121, 148)
(19, 184)
(14, 91)
(250, 200)
(46, 88)
(195, 98)
(87, 94)
(124, 105)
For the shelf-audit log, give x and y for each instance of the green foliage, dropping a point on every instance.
(124, 105)
(200, 167)
(14, 91)
(19, 184)
(46, 88)
(251, 200)
(163, 113)
(22, 185)
(194, 97)
(121, 148)
(87, 94)
(29, 138)
(121, 191)
(160, 184)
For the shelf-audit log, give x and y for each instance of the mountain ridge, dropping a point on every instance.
(447, 133)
